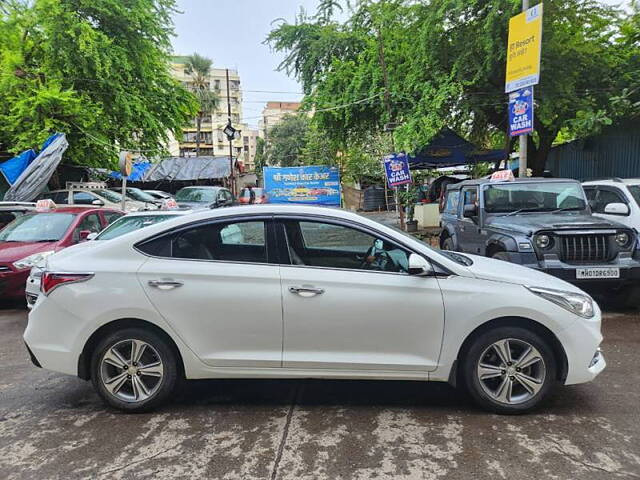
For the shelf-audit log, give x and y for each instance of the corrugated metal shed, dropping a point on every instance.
(614, 153)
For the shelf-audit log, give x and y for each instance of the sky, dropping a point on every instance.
(231, 32)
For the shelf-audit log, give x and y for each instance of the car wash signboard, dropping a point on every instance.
(396, 167)
(311, 185)
(521, 112)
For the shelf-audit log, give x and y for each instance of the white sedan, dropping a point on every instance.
(305, 292)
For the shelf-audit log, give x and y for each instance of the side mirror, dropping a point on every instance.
(419, 266)
(84, 235)
(92, 235)
(617, 209)
(470, 211)
(97, 203)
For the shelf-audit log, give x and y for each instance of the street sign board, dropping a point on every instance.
(524, 49)
(521, 112)
(396, 167)
(313, 184)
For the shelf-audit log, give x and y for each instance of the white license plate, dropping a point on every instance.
(602, 272)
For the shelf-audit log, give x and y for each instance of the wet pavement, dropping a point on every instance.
(53, 426)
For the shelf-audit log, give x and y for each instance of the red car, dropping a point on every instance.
(30, 238)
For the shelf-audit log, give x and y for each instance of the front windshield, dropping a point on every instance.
(533, 197)
(108, 195)
(40, 227)
(635, 192)
(196, 195)
(129, 224)
(139, 195)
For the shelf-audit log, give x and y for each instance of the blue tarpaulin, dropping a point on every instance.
(137, 172)
(448, 149)
(11, 169)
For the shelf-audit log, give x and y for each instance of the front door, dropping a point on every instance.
(349, 303)
(215, 284)
(468, 231)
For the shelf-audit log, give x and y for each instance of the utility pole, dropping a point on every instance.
(231, 175)
(387, 101)
(522, 169)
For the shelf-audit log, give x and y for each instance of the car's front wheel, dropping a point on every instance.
(509, 370)
(134, 369)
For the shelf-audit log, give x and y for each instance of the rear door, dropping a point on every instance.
(218, 286)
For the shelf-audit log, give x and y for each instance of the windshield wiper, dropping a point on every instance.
(520, 210)
(566, 209)
(46, 240)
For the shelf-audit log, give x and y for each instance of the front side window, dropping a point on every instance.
(109, 195)
(40, 227)
(83, 198)
(318, 244)
(605, 197)
(90, 223)
(533, 197)
(634, 190)
(451, 204)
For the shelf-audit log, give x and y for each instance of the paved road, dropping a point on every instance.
(53, 426)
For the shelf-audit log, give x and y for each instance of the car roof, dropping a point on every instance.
(209, 187)
(75, 209)
(487, 181)
(159, 213)
(613, 181)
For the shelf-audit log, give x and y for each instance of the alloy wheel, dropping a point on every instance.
(131, 370)
(511, 371)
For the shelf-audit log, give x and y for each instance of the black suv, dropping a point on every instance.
(544, 224)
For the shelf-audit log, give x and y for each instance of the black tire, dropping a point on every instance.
(162, 389)
(477, 351)
(447, 244)
(504, 256)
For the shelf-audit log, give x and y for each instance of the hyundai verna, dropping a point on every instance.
(305, 292)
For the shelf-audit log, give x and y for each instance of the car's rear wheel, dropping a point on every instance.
(134, 369)
(509, 370)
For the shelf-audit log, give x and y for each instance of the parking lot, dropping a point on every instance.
(54, 426)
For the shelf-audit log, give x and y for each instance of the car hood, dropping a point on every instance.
(500, 271)
(13, 251)
(530, 223)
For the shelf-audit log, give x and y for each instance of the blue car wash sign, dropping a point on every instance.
(396, 167)
(521, 112)
(311, 185)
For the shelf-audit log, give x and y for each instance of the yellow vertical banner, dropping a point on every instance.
(524, 49)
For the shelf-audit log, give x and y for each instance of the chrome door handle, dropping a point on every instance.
(306, 291)
(165, 284)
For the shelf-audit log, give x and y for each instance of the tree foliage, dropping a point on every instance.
(199, 68)
(286, 141)
(446, 67)
(97, 70)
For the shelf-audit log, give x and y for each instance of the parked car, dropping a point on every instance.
(125, 224)
(260, 196)
(337, 295)
(93, 194)
(616, 199)
(158, 194)
(545, 224)
(32, 237)
(204, 197)
(9, 211)
(138, 195)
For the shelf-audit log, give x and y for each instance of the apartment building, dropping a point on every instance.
(249, 144)
(272, 115)
(212, 139)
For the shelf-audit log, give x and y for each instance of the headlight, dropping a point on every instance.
(31, 260)
(622, 239)
(577, 303)
(543, 241)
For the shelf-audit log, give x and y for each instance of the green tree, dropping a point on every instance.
(286, 141)
(97, 70)
(446, 66)
(199, 68)
(260, 159)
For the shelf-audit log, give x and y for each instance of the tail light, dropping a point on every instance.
(52, 280)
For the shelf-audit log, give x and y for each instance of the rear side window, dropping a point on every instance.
(229, 241)
(452, 201)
